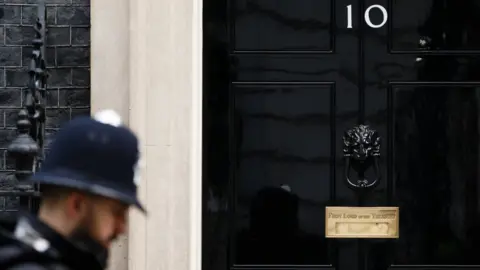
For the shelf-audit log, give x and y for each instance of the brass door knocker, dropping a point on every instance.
(361, 149)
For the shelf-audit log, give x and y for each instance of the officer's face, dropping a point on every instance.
(102, 219)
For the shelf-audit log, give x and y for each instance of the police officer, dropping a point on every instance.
(88, 181)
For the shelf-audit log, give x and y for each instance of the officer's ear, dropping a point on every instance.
(76, 204)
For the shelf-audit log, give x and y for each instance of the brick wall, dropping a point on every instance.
(68, 58)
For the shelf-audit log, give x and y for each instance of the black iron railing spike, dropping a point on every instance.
(28, 147)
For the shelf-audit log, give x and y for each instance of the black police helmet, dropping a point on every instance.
(97, 155)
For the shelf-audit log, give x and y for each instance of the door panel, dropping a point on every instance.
(421, 77)
(292, 95)
(283, 81)
(269, 26)
(435, 172)
(271, 156)
(451, 25)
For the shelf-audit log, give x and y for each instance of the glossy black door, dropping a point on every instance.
(284, 79)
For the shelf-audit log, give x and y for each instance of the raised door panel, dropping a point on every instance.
(421, 93)
(292, 92)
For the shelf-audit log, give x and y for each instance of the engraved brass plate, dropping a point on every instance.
(361, 222)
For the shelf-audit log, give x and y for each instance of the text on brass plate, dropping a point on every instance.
(361, 222)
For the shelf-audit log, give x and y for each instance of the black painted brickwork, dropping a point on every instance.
(68, 58)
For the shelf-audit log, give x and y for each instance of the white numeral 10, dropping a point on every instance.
(367, 16)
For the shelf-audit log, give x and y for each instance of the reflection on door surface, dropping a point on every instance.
(284, 80)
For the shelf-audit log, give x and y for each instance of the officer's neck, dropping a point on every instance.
(56, 220)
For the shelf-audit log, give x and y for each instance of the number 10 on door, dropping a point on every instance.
(367, 16)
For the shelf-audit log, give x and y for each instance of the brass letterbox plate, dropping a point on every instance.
(361, 222)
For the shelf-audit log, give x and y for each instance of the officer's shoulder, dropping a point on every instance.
(15, 257)
(7, 227)
(15, 254)
(31, 266)
(8, 222)
(37, 266)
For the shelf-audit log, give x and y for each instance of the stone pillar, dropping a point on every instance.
(166, 113)
(147, 64)
(110, 87)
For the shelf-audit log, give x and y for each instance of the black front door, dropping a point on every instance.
(283, 81)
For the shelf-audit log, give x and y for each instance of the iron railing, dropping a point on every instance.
(27, 149)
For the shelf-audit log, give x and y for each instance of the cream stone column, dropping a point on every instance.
(110, 86)
(166, 113)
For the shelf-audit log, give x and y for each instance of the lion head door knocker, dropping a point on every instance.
(361, 149)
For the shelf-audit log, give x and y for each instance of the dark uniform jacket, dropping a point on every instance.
(27, 243)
